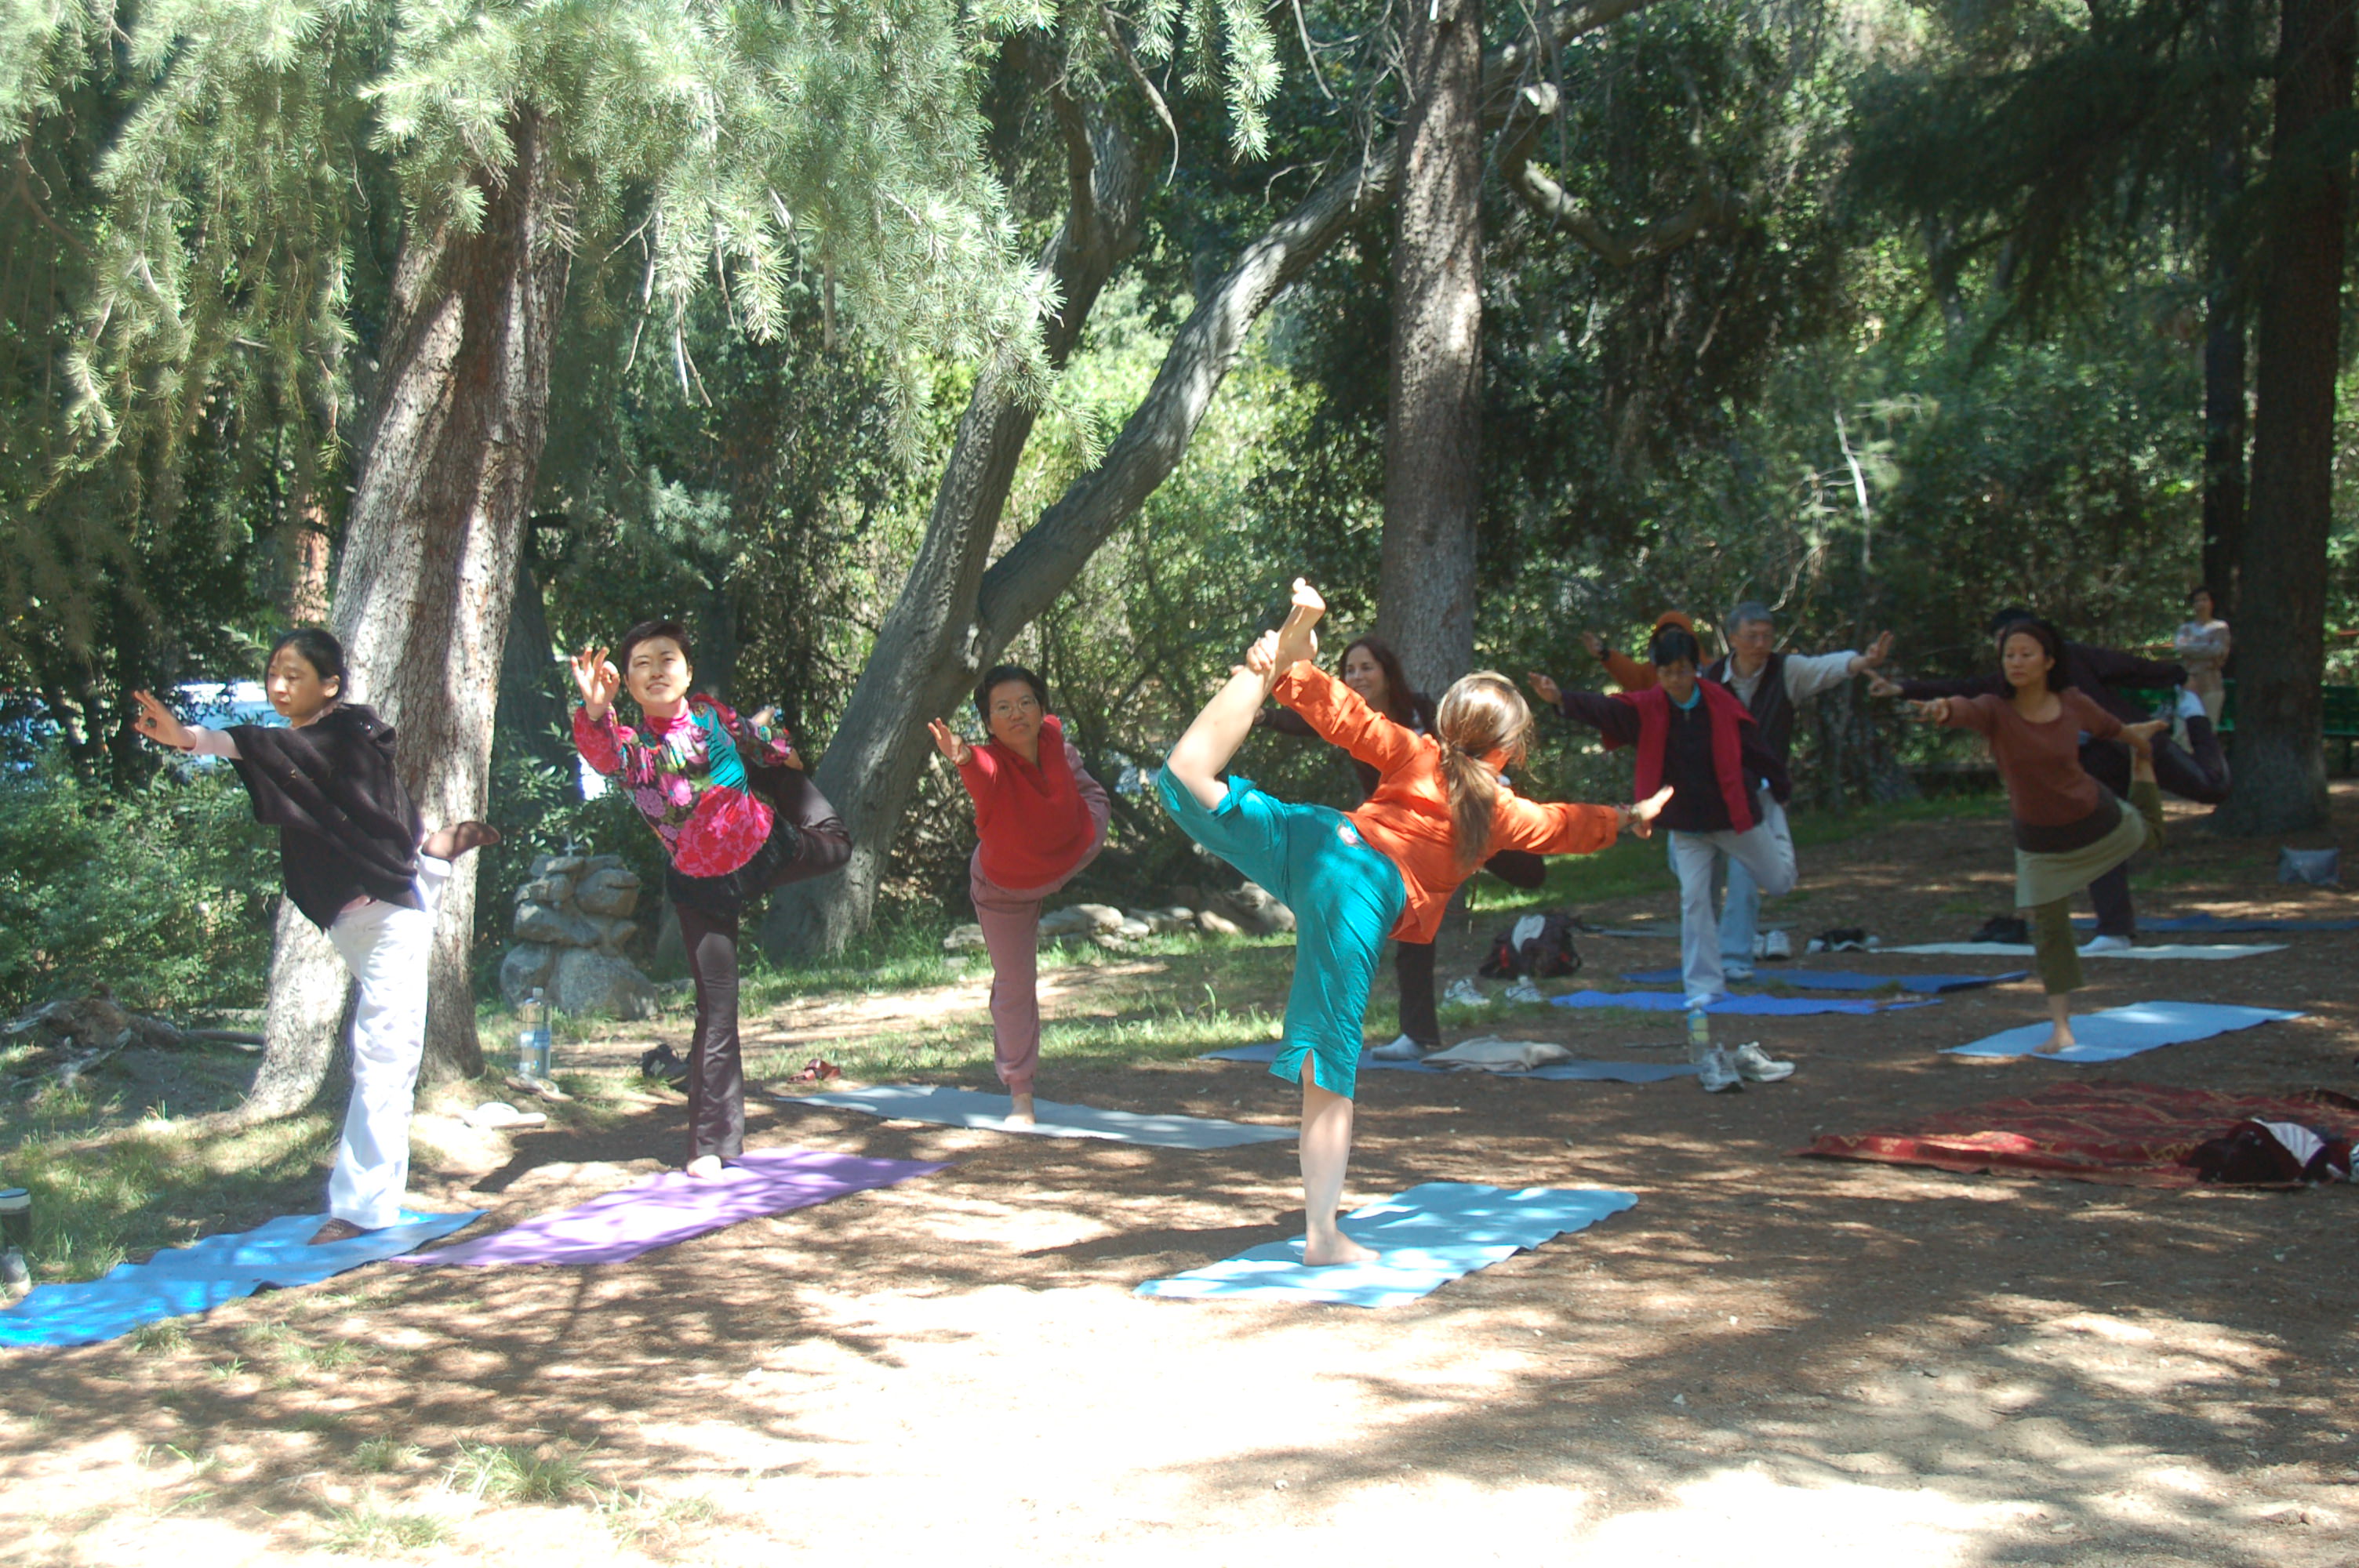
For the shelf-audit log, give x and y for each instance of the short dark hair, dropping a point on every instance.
(1000, 675)
(2050, 641)
(1400, 702)
(1670, 644)
(2205, 589)
(647, 632)
(2008, 617)
(320, 650)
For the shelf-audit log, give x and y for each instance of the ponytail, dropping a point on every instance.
(1483, 713)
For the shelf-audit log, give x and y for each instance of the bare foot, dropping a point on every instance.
(450, 843)
(1323, 1254)
(704, 1167)
(1020, 1111)
(2057, 1040)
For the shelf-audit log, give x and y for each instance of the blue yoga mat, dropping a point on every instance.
(1561, 1072)
(1428, 1235)
(2206, 921)
(2120, 1031)
(1844, 980)
(966, 1108)
(1751, 1006)
(179, 1280)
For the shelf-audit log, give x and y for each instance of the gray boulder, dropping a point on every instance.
(613, 933)
(1253, 908)
(546, 924)
(1214, 923)
(964, 939)
(526, 966)
(594, 982)
(609, 890)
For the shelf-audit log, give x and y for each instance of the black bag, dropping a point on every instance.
(2010, 928)
(1538, 946)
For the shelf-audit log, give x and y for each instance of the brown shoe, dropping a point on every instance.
(338, 1230)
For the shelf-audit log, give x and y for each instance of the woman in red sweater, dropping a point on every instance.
(1039, 819)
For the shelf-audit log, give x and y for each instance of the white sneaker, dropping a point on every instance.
(1466, 993)
(1523, 990)
(1401, 1049)
(1734, 974)
(1777, 944)
(2106, 944)
(1717, 1072)
(1753, 1065)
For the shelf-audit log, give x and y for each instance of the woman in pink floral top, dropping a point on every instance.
(686, 765)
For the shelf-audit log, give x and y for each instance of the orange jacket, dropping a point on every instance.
(1407, 819)
(1637, 674)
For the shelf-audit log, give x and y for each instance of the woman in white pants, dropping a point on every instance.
(354, 860)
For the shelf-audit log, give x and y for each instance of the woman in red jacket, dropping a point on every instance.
(1039, 818)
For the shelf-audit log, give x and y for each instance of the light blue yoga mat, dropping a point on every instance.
(1748, 1006)
(2208, 921)
(1428, 1235)
(966, 1108)
(2120, 1031)
(1561, 1072)
(1844, 980)
(179, 1280)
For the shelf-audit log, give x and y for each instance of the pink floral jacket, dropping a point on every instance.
(687, 779)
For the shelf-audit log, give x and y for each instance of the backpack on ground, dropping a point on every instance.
(1538, 946)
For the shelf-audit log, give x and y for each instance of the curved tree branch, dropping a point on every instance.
(1710, 210)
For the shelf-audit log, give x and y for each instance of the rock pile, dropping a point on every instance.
(1248, 911)
(572, 921)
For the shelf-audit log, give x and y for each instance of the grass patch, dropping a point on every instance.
(167, 1337)
(365, 1528)
(384, 1455)
(506, 1473)
(634, 1518)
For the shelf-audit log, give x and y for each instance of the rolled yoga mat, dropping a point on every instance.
(1560, 1072)
(2119, 1032)
(672, 1207)
(1427, 1236)
(1742, 1006)
(1844, 980)
(197, 1278)
(966, 1108)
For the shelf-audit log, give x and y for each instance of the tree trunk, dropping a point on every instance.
(2280, 767)
(2224, 397)
(931, 647)
(1433, 432)
(941, 633)
(532, 714)
(423, 588)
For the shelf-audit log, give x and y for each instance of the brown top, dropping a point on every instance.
(2046, 786)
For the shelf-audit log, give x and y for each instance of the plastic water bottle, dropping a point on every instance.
(532, 1041)
(1699, 1034)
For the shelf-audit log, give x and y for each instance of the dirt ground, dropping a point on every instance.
(1769, 1359)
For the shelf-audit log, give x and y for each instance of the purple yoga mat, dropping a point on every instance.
(672, 1207)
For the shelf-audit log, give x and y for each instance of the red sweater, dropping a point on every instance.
(1034, 824)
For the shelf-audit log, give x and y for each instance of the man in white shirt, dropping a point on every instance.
(1771, 684)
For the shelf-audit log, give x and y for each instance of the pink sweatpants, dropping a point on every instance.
(1010, 918)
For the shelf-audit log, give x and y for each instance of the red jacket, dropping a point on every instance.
(1033, 821)
(1728, 721)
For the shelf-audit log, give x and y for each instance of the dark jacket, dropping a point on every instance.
(346, 827)
(2094, 672)
(1695, 805)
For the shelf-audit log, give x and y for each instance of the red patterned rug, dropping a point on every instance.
(2136, 1134)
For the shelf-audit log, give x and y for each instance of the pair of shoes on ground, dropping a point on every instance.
(1464, 992)
(1773, 944)
(1724, 1068)
(1524, 991)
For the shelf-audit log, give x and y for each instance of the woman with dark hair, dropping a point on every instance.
(353, 860)
(1039, 818)
(2202, 646)
(727, 799)
(2070, 830)
(1390, 865)
(1370, 667)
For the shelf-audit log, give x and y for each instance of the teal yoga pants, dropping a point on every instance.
(1345, 897)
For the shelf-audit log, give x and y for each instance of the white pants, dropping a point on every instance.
(1740, 909)
(385, 946)
(1765, 851)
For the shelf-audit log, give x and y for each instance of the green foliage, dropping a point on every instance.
(164, 892)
